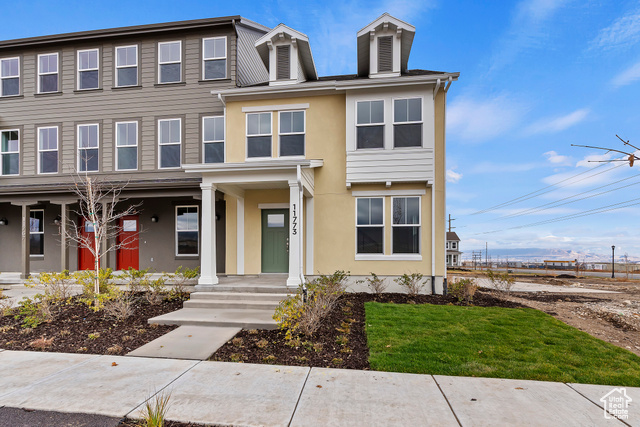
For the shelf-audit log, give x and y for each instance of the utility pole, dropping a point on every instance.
(451, 219)
(613, 261)
(486, 254)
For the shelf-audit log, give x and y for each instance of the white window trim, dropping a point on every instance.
(57, 150)
(10, 77)
(170, 62)
(419, 225)
(31, 233)
(57, 73)
(224, 131)
(197, 230)
(204, 59)
(408, 122)
(304, 133)
(270, 134)
(160, 144)
(10, 152)
(78, 70)
(383, 225)
(78, 148)
(126, 66)
(454, 245)
(383, 123)
(127, 146)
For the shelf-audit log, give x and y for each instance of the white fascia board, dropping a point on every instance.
(281, 28)
(252, 166)
(394, 81)
(385, 17)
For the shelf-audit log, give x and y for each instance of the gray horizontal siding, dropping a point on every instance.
(390, 165)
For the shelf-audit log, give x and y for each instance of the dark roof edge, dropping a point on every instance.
(126, 31)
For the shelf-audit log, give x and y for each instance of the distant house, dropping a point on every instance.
(453, 250)
(560, 263)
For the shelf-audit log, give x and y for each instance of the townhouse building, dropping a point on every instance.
(243, 160)
(452, 247)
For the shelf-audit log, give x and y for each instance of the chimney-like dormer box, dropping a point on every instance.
(287, 55)
(384, 46)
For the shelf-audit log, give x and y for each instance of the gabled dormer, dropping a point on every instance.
(384, 46)
(287, 55)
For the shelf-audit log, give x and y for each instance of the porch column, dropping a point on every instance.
(26, 237)
(208, 276)
(295, 235)
(64, 244)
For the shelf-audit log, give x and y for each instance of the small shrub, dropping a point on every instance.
(270, 358)
(412, 283)
(501, 281)
(317, 347)
(65, 332)
(57, 286)
(253, 332)
(337, 361)
(463, 290)
(182, 277)
(136, 279)
(114, 349)
(262, 343)
(237, 342)
(94, 336)
(83, 349)
(236, 357)
(34, 311)
(155, 410)
(107, 289)
(376, 284)
(41, 343)
(342, 339)
(155, 290)
(120, 307)
(127, 338)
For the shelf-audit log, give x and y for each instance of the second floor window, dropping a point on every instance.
(10, 152)
(48, 73)
(126, 66)
(88, 148)
(9, 76)
(48, 149)
(170, 142)
(88, 69)
(370, 124)
(291, 133)
(214, 55)
(213, 139)
(127, 146)
(170, 62)
(407, 122)
(259, 135)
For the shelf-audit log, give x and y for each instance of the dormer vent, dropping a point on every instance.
(385, 54)
(384, 46)
(283, 62)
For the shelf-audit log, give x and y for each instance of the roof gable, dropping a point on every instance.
(281, 32)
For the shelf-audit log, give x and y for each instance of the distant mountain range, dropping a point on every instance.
(540, 254)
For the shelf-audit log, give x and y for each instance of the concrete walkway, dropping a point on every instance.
(537, 287)
(251, 395)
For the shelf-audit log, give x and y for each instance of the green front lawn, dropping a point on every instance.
(491, 342)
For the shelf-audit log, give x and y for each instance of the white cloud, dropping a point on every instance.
(623, 33)
(480, 120)
(557, 159)
(592, 160)
(627, 76)
(557, 124)
(453, 176)
(492, 167)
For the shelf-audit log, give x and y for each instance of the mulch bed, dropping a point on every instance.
(340, 342)
(75, 328)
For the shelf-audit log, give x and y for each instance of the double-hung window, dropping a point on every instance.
(370, 124)
(36, 232)
(88, 69)
(10, 151)
(291, 133)
(187, 231)
(214, 57)
(407, 122)
(126, 146)
(126, 66)
(48, 73)
(370, 225)
(48, 149)
(213, 139)
(259, 135)
(88, 148)
(170, 142)
(406, 225)
(170, 62)
(9, 76)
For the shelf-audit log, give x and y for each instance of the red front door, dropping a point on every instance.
(85, 257)
(128, 242)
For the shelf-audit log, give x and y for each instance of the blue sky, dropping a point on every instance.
(536, 77)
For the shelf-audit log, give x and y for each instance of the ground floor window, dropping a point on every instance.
(370, 225)
(406, 225)
(36, 232)
(187, 230)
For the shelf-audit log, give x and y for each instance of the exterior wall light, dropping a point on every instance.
(57, 220)
(3, 221)
(154, 218)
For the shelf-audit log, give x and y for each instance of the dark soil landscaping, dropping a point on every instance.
(340, 342)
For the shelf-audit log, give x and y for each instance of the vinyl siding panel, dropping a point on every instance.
(390, 165)
(251, 69)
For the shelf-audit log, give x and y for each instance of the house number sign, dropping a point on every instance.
(294, 221)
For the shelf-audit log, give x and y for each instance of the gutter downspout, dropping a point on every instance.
(301, 236)
(444, 143)
(433, 216)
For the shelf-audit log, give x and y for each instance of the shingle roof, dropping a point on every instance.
(451, 235)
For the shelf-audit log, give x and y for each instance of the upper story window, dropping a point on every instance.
(283, 62)
(48, 149)
(454, 245)
(10, 76)
(259, 135)
(370, 124)
(370, 225)
(214, 57)
(213, 139)
(36, 232)
(406, 225)
(48, 73)
(407, 122)
(88, 148)
(170, 142)
(291, 133)
(126, 66)
(447, 245)
(170, 62)
(127, 146)
(88, 69)
(10, 151)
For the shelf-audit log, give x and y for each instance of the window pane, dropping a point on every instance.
(128, 76)
(406, 240)
(370, 137)
(49, 162)
(215, 69)
(170, 156)
(376, 211)
(187, 243)
(275, 220)
(370, 240)
(409, 135)
(399, 211)
(127, 158)
(415, 110)
(10, 87)
(259, 146)
(209, 49)
(36, 220)
(175, 131)
(214, 152)
(83, 58)
(49, 63)
(49, 83)
(292, 145)
(10, 164)
(88, 160)
(164, 131)
(9, 141)
(298, 121)
(362, 211)
(126, 56)
(377, 111)
(169, 73)
(265, 123)
(10, 67)
(213, 128)
(253, 124)
(364, 112)
(413, 210)
(187, 218)
(400, 110)
(129, 225)
(89, 79)
(36, 244)
(285, 122)
(93, 59)
(170, 52)
(220, 48)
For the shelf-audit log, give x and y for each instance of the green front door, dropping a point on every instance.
(275, 240)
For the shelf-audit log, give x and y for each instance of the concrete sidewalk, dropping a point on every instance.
(250, 395)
